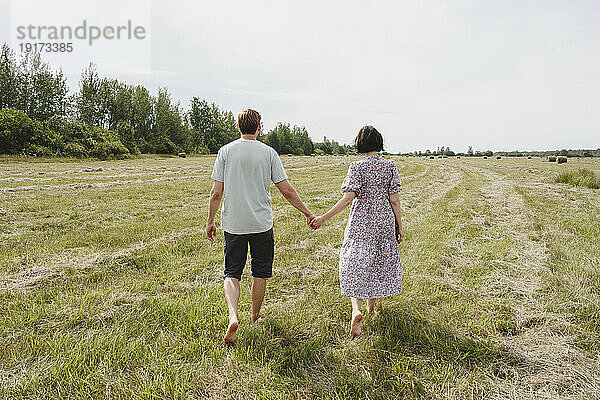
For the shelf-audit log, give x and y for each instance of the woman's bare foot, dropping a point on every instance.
(355, 328)
(256, 318)
(230, 336)
(371, 306)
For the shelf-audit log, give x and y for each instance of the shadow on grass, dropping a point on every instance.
(400, 334)
(400, 354)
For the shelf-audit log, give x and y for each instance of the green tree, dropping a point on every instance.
(42, 94)
(169, 133)
(9, 78)
(88, 102)
(143, 117)
(302, 141)
(127, 136)
(200, 121)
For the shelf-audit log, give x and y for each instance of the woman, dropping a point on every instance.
(370, 265)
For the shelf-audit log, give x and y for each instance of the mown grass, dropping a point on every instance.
(581, 177)
(113, 292)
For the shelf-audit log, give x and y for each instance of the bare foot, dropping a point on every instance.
(355, 328)
(371, 305)
(373, 312)
(230, 336)
(256, 318)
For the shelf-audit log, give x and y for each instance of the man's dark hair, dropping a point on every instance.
(368, 139)
(248, 121)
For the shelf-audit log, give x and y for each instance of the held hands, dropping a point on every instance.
(317, 222)
(310, 217)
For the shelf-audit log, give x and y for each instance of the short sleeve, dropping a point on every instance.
(395, 184)
(277, 172)
(352, 181)
(218, 173)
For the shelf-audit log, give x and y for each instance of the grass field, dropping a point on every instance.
(110, 290)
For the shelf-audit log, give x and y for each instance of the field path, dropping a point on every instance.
(559, 369)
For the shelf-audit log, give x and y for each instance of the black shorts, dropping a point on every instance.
(262, 252)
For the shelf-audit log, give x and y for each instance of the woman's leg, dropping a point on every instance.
(355, 328)
(371, 305)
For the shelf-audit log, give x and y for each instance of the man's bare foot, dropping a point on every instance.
(355, 328)
(230, 336)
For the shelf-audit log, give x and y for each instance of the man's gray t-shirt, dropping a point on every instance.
(246, 168)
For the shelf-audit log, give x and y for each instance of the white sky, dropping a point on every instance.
(499, 75)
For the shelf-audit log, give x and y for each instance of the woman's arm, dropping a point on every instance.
(395, 202)
(342, 203)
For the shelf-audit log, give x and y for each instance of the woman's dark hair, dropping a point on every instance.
(368, 139)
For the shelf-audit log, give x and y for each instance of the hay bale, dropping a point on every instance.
(498, 158)
(485, 157)
(182, 155)
(552, 159)
(431, 157)
(561, 160)
(529, 158)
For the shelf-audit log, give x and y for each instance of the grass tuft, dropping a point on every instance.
(581, 177)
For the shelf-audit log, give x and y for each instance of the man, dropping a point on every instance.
(242, 175)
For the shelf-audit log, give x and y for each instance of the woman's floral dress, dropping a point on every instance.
(370, 264)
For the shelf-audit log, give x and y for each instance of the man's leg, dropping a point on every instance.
(355, 328)
(259, 286)
(236, 250)
(231, 287)
(262, 251)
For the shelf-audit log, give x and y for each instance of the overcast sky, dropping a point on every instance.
(499, 75)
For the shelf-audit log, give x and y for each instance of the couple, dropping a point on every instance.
(370, 265)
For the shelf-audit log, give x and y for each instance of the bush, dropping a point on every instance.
(57, 136)
(75, 150)
(18, 133)
(105, 150)
(552, 159)
(38, 151)
(582, 177)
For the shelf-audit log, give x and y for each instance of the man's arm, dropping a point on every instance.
(216, 194)
(290, 194)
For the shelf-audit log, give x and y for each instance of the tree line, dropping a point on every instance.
(446, 151)
(107, 117)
